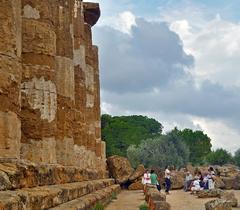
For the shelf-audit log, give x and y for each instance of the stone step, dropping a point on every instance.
(103, 196)
(17, 174)
(46, 197)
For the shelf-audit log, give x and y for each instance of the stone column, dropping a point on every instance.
(65, 81)
(39, 92)
(91, 15)
(10, 78)
(79, 71)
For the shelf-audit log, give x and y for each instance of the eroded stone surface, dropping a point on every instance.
(49, 93)
(10, 135)
(219, 204)
(119, 168)
(41, 95)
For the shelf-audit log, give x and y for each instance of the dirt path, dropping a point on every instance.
(179, 200)
(127, 200)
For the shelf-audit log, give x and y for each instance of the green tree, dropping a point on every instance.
(182, 149)
(237, 157)
(219, 157)
(158, 152)
(120, 132)
(133, 155)
(199, 144)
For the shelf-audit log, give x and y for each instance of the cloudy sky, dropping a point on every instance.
(175, 60)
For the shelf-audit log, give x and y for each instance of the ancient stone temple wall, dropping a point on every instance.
(38, 86)
(10, 78)
(49, 83)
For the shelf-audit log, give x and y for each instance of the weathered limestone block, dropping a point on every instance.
(10, 200)
(162, 205)
(177, 180)
(41, 95)
(99, 148)
(78, 26)
(229, 182)
(88, 159)
(39, 10)
(98, 130)
(65, 77)
(38, 37)
(119, 168)
(103, 148)
(65, 151)
(236, 185)
(137, 173)
(136, 186)
(79, 58)
(230, 198)
(228, 170)
(219, 204)
(219, 182)
(10, 134)
(213, 193)
(40, 151)
(10, 79)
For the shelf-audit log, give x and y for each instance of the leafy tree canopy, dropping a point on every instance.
(219, 157)
(237, 158)
(199, 144)
(120, 132)
(159, 152)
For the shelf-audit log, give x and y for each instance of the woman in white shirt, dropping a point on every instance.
(146, 178)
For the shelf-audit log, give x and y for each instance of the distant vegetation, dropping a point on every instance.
(121, 132)
(141, 140)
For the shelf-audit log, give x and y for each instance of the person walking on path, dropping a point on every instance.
(154, 180)
(167, 180)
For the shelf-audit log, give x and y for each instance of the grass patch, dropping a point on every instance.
(143, 207)
(113, 196)
(98, 206)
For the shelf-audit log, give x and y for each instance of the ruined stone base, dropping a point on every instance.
(27, 186)
(17, 174)
(79, 195)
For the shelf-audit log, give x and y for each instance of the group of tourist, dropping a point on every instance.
(199, 181)
(192, 183)
(153, 179)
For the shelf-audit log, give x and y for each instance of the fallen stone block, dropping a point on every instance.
(218, 204)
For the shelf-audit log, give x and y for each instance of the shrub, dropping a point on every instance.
(98, 206)
(143, 207)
